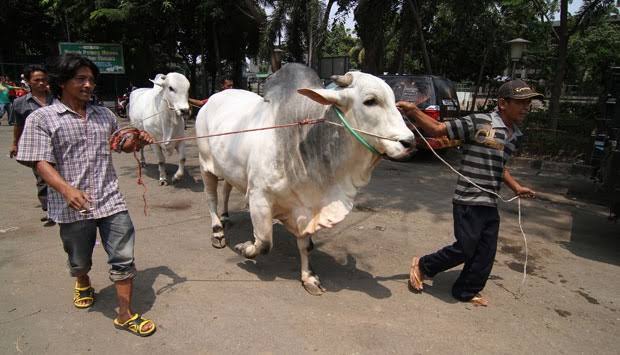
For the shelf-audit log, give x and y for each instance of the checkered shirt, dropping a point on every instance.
(78, 148)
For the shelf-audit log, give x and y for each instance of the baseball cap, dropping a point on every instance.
(517, 89)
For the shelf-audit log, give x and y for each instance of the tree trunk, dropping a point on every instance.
(216, 51)
(192, 75)
(479, 81)
(485, 57)
(323, 31)
(311, 44)
(556, 89)
(403, 41)
(418, 23)
(369, 16)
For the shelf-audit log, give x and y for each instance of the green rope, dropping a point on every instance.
(355, 134)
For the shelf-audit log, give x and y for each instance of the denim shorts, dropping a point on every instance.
(117, 236)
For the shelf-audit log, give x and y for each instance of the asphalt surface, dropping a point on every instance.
(214, 301)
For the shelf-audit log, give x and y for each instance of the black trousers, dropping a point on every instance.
(476, 229)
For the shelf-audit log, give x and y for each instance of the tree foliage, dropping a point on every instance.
(464, 40)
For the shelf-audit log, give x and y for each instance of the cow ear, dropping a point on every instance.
(323, 96)
(159, 79)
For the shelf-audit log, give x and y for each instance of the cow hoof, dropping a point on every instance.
(314, 288)
(218, 242)
(246, 249)
(163, 182)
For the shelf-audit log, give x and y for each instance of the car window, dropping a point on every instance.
(417, 89)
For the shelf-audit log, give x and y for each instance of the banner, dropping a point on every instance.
(107, 56)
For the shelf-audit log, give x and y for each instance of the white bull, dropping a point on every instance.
(304, 176)
(161, 111)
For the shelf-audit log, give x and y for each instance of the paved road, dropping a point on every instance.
(214, 301)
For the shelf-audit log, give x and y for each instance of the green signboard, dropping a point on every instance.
(107, 56)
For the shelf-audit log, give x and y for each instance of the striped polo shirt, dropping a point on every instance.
(486, 150)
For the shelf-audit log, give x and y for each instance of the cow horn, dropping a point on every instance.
(343, 80)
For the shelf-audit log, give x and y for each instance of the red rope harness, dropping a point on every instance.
(140, 181)
(298, 123)
(120, 136)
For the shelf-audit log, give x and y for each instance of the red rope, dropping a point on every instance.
(140, 181)
(299, 123)
(132, 131)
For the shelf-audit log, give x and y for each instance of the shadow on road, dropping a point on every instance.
(283, 261)
(151, 172)
(143, 293)
(594, 237)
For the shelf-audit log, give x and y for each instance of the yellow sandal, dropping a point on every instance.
(81, 294)
(135, 324)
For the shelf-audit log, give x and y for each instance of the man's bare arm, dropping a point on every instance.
(516, 187)
(422, 120)
(17, 133)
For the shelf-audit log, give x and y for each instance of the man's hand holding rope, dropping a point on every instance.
(129, 139)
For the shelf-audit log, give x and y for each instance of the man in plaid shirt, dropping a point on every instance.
(67, 142)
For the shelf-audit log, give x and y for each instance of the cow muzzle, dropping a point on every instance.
(402, 150)
(182, 112)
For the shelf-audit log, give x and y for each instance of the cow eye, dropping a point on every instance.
(171, 89)
(370, 102)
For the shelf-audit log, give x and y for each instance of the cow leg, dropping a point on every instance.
(227, 189)
(181, 170)
(309, 279)
(218, 239)
(260, 211)
(161, 164)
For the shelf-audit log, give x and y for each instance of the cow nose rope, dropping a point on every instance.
(489, 192)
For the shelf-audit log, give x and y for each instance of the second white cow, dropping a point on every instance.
(161, 111)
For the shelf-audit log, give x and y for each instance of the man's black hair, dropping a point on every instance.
(31, 69)
(65, 69)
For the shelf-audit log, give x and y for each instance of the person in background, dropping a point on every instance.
(5, 99)
(39, 96)
(225, 84)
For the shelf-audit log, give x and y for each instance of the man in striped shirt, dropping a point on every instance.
(67, 142)
(489, 141)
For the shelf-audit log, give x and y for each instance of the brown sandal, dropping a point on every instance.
(479, 300)
(416, 278)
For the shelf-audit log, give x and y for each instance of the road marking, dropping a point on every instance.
(10, 229)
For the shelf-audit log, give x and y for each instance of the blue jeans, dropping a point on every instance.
(117, 236)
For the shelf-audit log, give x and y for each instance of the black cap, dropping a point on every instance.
(517, 89)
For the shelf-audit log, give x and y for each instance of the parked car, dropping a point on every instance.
(434, 95)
